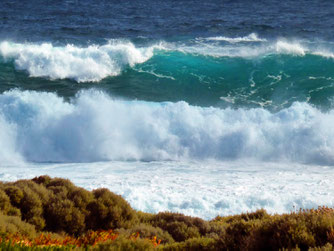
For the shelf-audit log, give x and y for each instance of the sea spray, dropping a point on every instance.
(96, 127)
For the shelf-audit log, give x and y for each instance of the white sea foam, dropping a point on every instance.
(205, 189)
(91, 63)
(94, 127)
(265, 48)
(253, 37)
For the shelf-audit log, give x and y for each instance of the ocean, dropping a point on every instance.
(201, 107)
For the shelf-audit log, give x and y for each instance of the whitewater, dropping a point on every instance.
(206, 126)
(172, 156)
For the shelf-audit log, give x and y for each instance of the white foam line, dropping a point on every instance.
(253, 37)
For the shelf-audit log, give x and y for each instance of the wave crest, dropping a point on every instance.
(95, 62)
(92, 63)
(253, 37)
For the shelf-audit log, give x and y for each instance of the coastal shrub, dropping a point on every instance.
(305, 229)
(61, 215)
(320, 222)
(41, 191)
(81, 198)
(236, 234)
(32, 208)
(109, 211)
(4, 202)
(179, 226)
(13, 224)
(59, 192)
(302, 230)
(13, 211)
(60, 182)
(55, 204)
(287, 231)
(181, 231)
(259, 214)
(193, 244)
(124, 243)
(216, 229)
(15, 194)
(327, 247)
(147, 231)
(145, 217)
(42, 180)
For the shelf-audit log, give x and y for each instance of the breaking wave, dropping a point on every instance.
(95, 62)
(89, 64)
(42, 127)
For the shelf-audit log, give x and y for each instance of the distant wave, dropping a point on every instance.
(277, 47)
(39, 126)
(253, 37)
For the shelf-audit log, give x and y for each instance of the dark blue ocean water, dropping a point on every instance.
(87, 21)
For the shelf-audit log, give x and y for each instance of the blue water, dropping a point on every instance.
(86, 21)
(143, 77)
(201, 107)
(210, 73)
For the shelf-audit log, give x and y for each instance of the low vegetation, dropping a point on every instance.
(53, 214)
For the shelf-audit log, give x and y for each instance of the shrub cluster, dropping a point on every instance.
(56, 205)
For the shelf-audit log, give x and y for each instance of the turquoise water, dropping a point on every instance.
(270, 80)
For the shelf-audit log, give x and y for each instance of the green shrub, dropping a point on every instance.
(40, 190)
(32, 208)
(122, 243)
(59, 182)
(181, 227)
(109, 211)
(58, 192)
(61, 215)
(13, 211)
(327, 247)
(287, 231)
(260, 214)
(319, 224)
(193, 244)
(81, 198)
(268, 233)
(147, 231)
(4, 202)
(42, 180)
(145, 217)
(13, 224)
(57, 205)
(15, 194)
(236, 235)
